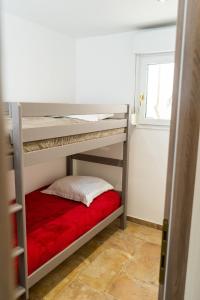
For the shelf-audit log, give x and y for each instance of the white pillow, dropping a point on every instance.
(91, 118)
(79, 188)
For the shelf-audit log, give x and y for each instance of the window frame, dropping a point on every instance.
(142, 62)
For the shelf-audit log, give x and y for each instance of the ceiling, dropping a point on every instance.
(81, 18)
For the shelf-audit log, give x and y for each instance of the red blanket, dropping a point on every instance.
(53, 223)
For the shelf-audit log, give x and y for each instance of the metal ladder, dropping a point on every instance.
(18, 208)
(19, 252)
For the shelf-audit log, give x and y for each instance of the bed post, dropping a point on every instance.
(69, 162)
(123, 218)
(17, 141)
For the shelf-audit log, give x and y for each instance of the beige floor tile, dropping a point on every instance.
(122, 242)
(79, 291)
(143, 232)
(91, 250)
(123, 288)
(114, 237)
(108, 232)
(50, 285)
(144, 265)
(103, 269)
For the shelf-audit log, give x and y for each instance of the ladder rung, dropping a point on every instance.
(19, 292)
(17, 251)
(15, 208)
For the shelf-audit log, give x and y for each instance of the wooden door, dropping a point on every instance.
(183, 148)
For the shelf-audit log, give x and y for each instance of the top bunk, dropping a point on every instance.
(45, 131)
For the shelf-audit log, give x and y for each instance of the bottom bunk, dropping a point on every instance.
(54, 224)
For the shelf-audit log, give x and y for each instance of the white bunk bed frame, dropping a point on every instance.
(18, 160)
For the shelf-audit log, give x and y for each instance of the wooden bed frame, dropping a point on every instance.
(19, 160)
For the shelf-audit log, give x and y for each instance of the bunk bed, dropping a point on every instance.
(37, 136)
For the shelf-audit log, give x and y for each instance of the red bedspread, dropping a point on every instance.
(53, 223)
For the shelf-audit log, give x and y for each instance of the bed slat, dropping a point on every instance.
(17, 251)
(15, 208)
(99, 159)
(19, 292)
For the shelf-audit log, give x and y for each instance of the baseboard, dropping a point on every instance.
(146, 223)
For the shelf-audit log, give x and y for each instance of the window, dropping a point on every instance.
(154, 87)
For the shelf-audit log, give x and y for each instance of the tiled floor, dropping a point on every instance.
(115, 265)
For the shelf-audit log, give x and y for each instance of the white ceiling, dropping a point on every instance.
(80, 18)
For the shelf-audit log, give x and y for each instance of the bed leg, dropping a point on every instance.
(123, 218)
(25, 296)
(123, 221)
(69, 161)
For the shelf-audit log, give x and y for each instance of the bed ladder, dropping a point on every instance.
(6, 271)
(18, 208)
(19, 252)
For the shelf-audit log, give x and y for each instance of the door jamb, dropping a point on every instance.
(183, 148)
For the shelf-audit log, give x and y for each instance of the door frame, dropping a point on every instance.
(183, 149)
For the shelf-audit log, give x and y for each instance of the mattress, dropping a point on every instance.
(37, 122)
(53, 223)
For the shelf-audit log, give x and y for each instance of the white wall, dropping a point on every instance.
(38, 65)
(104, 69)
(192, 290)
(105, 73)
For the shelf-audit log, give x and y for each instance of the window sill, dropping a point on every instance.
(152, 127)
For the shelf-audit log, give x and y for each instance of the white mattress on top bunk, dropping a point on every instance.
(37, 122)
